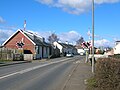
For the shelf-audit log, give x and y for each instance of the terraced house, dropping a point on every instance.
(117, 47)
(65, 48)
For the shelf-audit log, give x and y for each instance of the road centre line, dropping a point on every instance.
(32, 68)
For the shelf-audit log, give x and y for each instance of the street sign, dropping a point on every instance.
(20, 44)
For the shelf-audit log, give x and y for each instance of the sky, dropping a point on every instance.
(69, 19)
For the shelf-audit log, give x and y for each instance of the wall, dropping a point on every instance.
(28, 57)
(6, 54)
(17, 38)
(117, 49)
(58, 45)
(80, 51)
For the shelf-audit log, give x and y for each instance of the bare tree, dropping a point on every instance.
(80, 41)
(52, 38)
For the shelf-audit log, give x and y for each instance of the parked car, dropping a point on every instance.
(82, 53)
(69, 55)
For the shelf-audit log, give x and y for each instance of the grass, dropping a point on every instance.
(5, 61)
(91, 83)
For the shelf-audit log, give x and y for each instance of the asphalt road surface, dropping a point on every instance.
(50, 75)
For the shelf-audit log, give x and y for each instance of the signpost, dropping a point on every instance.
(86, 46)
(93, 64)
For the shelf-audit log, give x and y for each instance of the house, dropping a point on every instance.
(117, 47)
(55, 52)
(28, 43)
(80, 50)
(65, 48)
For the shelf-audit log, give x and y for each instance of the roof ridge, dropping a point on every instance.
(33, 33)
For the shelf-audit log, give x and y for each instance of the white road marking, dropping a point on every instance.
(9, 75)
(78, 61)
(32, 68)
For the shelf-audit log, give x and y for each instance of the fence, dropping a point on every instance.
(7, 54)
(14, 54)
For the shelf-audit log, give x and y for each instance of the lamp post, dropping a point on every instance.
(93, 64)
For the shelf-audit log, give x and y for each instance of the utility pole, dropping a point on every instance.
(93, 64)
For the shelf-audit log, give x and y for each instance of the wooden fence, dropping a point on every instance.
(7, 54)
(14, 54)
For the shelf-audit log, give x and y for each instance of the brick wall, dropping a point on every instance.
(28, 45)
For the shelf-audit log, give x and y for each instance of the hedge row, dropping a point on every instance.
(107, 74)
(117, 56)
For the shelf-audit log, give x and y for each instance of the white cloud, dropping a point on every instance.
(74, 6)
(103, 42)
(5, 27)
(106, 1)
(71, 37)
(48, 2)
(5, 30)
(4, 34)
(1, 20)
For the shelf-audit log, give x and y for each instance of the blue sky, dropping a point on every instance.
(69, 19)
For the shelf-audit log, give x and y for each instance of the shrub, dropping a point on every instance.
(117, 56)
(107, 74)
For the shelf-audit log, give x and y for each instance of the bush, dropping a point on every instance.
(107, 74)
(117, 56)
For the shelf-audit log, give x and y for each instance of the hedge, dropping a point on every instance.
(107, 74)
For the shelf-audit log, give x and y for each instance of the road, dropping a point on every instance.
(50, 75)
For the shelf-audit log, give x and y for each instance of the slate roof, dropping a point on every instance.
(118, 41)
(34, 38)
(38, 40)
(67, 45)
(79, 47)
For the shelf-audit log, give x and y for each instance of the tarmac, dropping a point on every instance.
(12, 63)
(77, 78)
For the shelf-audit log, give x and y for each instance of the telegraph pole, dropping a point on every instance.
(93, 64)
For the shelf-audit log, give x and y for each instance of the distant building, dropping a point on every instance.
(55, 52)
(80, 49)
(65, 48)
(29, 42)
(117, 47)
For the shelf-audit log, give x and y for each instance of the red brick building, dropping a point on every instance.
(29, 42)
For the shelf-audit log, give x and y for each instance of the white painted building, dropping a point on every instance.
(56, 44)
(117, 47)
(80, 50)
(65, 48)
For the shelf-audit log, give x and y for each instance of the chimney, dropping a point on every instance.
(24, 25)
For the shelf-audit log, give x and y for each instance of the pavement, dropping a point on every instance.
(98, 56)
(12, 63)
(78, 77)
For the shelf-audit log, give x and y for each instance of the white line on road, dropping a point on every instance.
(32, 68)
(9, 75)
